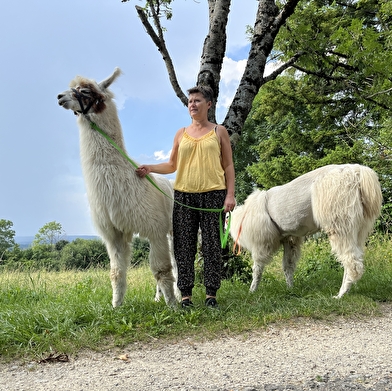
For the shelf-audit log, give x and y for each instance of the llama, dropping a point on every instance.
(121, 203)
(342, 200)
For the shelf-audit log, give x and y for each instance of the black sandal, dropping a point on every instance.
(211, 302)
(186, 303)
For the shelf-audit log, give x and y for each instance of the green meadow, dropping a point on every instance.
(45, 312)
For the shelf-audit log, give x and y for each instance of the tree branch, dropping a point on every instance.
(161, 45)
(273, 75)
(379, 93)
(322, 75)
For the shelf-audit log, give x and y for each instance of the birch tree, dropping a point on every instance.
(331, 42)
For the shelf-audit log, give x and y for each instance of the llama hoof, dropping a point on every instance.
(116, 304)
(177, 294)
(158, 294)
(172, 303)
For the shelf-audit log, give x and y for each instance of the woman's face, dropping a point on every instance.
(197, 105)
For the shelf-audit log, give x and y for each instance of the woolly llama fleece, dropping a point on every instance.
(344, 201)
(121, 203)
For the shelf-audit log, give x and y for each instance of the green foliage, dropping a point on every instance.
(44, 253)
(49, 234)
(79, 254)
(83, 254)
(317, 260)
(7, 236)
(140, 251)
(61, 244)
(236, 267)
(333, 106)
(44, 257)
(384, 222)
(42, 312)
(296, 137)
(50, 252)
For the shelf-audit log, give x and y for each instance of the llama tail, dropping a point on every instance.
(346, 198)
(370, 193)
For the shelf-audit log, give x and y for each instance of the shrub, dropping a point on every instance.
(82, 254)
(140, 251)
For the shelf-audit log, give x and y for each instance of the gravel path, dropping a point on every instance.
(354, 354)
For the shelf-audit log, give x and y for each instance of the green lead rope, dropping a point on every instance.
(223, 235)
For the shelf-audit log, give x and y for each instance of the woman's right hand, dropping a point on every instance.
(142, 171)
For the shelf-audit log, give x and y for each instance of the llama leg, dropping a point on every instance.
(257, 273)
(174, 268)
(119, 254)
(353, 271)
(350, 255)
(158, 294)
(259, 263)
(349, 250)
(162, 269)
(291, 254)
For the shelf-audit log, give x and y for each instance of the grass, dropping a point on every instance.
(64, 312)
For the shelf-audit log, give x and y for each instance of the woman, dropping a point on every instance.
(202, 157)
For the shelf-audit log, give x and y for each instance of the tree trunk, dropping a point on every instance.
(214, 49)
(269, 19)
(267, 25)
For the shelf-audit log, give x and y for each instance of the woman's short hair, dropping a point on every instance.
(206, 91)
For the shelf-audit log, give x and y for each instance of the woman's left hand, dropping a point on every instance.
(229, 203)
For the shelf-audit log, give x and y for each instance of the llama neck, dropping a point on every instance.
(96, 150)
(109, 124)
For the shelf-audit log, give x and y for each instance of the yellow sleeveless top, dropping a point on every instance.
(199, 167)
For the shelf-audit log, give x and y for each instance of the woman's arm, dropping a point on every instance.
(228, 167)
(163, 168)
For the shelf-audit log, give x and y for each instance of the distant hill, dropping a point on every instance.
(25, 241)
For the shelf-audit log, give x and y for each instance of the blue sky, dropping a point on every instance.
(44, 45)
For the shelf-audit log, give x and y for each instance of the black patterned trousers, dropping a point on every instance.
(186, 223)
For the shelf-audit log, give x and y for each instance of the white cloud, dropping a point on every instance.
(161, 155)
(120, 96)
(232, 70)
(271, 66)
(231, 74)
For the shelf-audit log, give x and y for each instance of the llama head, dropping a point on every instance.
(86, 96)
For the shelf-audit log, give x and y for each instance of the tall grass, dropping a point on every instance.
(63, 312)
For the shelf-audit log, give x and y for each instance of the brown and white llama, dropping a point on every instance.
(121, 203)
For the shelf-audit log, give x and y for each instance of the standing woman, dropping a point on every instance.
(202, 157)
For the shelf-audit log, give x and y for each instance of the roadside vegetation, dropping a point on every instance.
(45, 312)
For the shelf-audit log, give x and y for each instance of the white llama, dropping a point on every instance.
(342, 200)
(121, 203)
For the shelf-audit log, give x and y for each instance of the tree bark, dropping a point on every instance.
(214, 49)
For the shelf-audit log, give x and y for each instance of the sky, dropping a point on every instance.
(44, 45)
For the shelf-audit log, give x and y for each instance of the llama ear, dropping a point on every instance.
(107, 82)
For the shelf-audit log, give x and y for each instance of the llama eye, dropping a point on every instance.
(84, 91)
